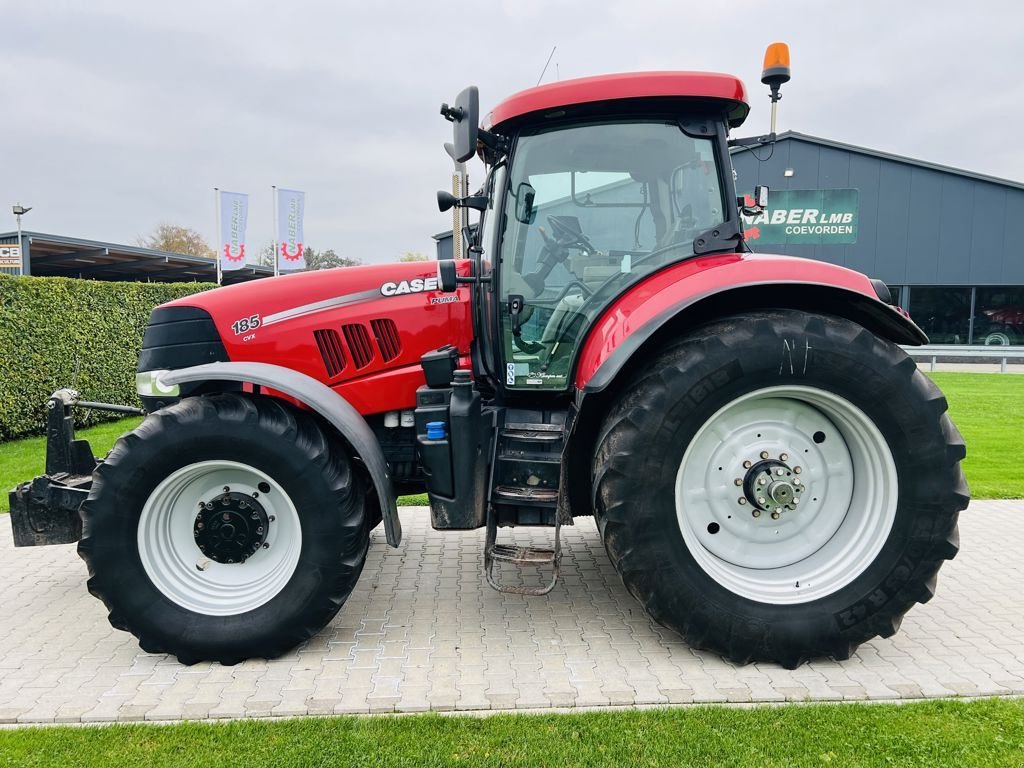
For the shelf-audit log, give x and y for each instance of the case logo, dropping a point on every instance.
(416, 285)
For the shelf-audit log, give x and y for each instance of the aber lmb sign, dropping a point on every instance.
(810, 216)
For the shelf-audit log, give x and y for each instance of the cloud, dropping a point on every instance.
(121, 115)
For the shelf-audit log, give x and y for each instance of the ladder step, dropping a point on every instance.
(532, 435)
(524, 426)
(525, 493)
(522, 555)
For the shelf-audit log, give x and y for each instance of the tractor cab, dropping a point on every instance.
(592, 186)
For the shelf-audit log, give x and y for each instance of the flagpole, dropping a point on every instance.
(216, 209)
(277, 263)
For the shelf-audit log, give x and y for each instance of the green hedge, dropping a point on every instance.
(51, 326)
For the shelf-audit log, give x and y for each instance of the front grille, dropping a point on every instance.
(358, 340)
(329, 343)
(180, 337)
(388, 341)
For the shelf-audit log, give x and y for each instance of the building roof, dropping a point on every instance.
(60, 256)
(631, 85)
(890, 156)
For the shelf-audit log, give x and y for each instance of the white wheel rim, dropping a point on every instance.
(182, 573)
(997, 340)
(847, 490)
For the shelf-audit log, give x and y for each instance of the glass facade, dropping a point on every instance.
(988, 315)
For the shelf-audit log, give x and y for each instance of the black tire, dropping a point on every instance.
(658, 413)
(285, 444)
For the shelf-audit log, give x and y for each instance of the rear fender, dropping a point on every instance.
(699, 290)
(320, 398)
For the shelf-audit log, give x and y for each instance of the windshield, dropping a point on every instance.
(590, 210)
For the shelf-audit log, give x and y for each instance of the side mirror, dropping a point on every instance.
(754, 205)
(447, 277)
(465, 117)
(525, 195)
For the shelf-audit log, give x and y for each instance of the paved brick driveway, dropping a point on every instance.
(422, 631)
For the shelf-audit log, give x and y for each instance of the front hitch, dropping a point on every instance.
(45, 510)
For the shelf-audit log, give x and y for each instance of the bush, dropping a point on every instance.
(58, 332)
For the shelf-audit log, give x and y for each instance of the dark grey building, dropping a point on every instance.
(941, 237)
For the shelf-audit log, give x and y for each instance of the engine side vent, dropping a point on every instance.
(329, 343)
(358, 340)
(388, 342)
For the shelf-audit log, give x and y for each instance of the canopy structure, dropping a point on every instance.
(59, 256)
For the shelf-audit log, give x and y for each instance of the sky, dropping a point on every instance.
(120, 115)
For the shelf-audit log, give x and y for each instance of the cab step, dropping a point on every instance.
(514, 555)
(517, 493)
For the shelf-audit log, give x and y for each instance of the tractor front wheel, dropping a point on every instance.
(224, 527)
(779, 486)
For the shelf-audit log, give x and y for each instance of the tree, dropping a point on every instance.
(176, 239)
(324, 259)
(414, 256)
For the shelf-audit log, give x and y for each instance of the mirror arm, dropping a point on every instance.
(753, 141)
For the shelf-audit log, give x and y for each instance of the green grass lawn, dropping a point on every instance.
(988, 408)
(933, 734)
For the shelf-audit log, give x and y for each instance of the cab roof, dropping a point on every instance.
(705, 86)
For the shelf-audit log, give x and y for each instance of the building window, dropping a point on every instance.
(943, 312)
(998, 315)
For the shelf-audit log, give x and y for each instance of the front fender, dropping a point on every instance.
(694, 291)
(322, 399)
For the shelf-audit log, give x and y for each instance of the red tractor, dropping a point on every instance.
(770, 473)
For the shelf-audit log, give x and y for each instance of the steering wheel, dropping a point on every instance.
(555, 251)
(566, 236)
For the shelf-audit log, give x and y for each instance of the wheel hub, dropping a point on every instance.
(771, 486)
(231, 527)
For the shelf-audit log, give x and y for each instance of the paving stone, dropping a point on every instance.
(422, 631)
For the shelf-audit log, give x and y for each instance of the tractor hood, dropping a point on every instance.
(339, 326)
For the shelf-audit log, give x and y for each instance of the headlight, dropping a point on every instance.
(148, 384)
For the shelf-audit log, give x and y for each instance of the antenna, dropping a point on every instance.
(553, 49)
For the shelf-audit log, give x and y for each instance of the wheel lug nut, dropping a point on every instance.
(798, 470)
(747, 464)
(778, 472)
(272, 518)
(764, 454)
(796, 482)
(756, 512)
(795, 500)
(227, 489)
(783, 457)
(738, 481)
(776, 515)
(761, 480)
(741, 501)
(760, 499)
(266, 546)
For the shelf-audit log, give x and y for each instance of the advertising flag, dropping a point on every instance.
(234, 211)
(290, 252)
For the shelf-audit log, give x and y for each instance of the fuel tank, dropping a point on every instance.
(360, 330)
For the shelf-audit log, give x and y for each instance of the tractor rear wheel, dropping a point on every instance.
(779, 485)
(224, 527)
